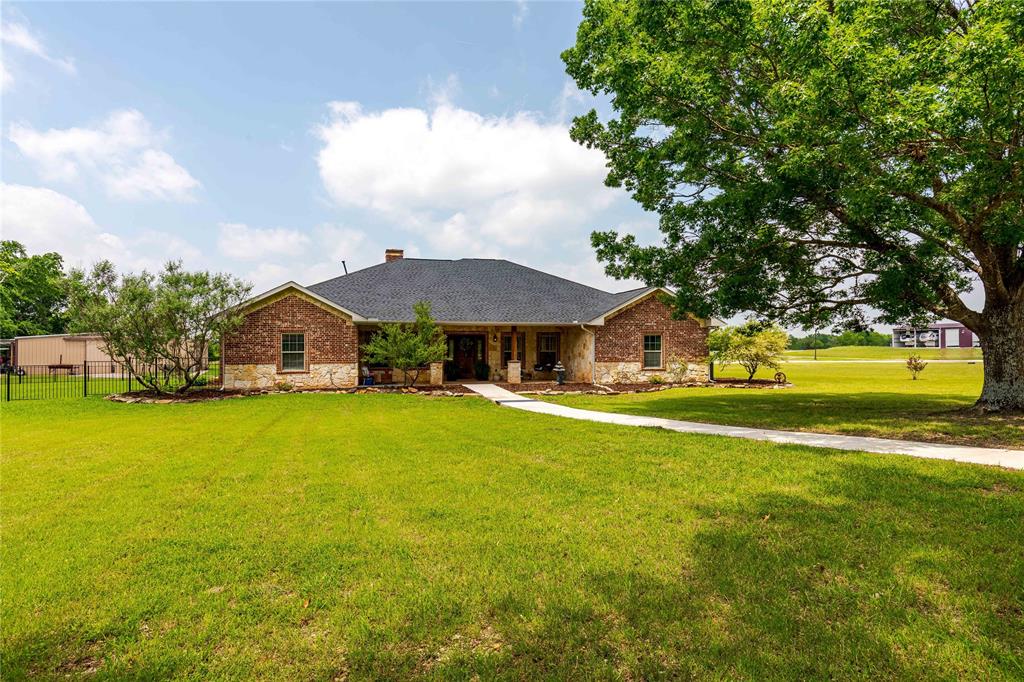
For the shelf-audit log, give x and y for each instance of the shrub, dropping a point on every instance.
(656, 379)
(750, 345)
(915, 365)
(408, 347)
(283, 386)
(481, 370)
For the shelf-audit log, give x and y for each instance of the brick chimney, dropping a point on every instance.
(393, 254)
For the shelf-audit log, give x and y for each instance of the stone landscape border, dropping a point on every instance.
(446, 391)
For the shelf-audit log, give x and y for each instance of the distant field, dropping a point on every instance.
(886, 353)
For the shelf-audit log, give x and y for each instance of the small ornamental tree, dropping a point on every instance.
(915, 365)
(751, 346)
(816, 160)
(160, 327)
(408, 347)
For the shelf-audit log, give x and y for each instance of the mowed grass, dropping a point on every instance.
(866, 399)
(392, 537)
(886, 353)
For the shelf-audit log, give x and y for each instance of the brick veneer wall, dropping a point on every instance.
(330, 338)
(621, 337)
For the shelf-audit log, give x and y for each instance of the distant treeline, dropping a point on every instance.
(866, 338)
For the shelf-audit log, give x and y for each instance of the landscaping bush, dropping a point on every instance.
(408, 347)
(915, 365)
(750, 345)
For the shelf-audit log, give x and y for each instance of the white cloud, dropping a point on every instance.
(266, 276)
(6, 79)
(239, 241)
(519, 16)
(20, 36)
(123, 152)
(469, 184)
(328, 245)
(44, 220)
(341, 243)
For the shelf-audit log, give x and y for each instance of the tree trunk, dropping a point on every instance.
(1002, 347)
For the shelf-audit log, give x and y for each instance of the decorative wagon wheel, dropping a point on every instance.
(780, 377)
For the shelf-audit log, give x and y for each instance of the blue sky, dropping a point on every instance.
(273, 140)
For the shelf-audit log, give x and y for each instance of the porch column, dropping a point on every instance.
(436, 373)
(515, 370)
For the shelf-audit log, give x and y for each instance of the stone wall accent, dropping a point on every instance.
(578, 354)
(329, 375)
(620, 341)
(633, 373)
(252, 354)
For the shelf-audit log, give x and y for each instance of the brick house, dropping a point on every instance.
(503, 321)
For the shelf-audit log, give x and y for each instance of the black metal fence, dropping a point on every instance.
(96, 378)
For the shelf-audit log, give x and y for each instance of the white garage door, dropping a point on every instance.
(952, 338)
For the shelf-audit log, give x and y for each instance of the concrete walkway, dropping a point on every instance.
(1012, 459)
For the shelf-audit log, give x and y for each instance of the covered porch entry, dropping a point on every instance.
(530, 352)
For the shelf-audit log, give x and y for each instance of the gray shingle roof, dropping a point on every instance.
(468, 290)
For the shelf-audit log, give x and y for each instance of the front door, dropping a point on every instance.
(467, 349)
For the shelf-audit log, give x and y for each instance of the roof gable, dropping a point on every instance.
(293, 288)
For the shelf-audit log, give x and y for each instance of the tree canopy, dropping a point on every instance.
(814, 159)
(33, 295)
(160, 326)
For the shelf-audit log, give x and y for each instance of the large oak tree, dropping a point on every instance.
(814, 159)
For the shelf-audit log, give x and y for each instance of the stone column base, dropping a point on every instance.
(515, 374)
(436, 373)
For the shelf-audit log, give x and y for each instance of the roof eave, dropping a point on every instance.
(600, 319)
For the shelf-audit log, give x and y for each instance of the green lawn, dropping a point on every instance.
(387, 537)
(886, 353)
(869, 399)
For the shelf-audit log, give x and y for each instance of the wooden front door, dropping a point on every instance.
(467, 349)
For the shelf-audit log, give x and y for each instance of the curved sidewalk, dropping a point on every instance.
(1011, 459)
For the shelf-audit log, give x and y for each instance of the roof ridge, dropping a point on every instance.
(564, 279)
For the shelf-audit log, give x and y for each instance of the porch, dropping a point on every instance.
(502, 353)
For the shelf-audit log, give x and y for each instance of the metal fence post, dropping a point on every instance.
(8, 384)
(85, 379)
